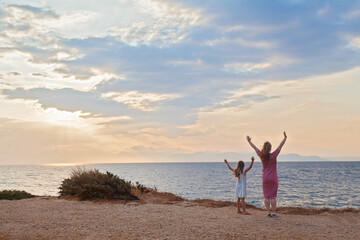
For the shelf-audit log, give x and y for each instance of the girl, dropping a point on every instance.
(240, 175)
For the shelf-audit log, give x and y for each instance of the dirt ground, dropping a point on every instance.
(166, 217)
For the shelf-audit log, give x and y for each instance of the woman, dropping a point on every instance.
(270, 178)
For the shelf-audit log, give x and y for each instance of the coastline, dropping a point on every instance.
(167, 216)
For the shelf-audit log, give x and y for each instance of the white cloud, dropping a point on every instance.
(310, 109)
(352, 14)
(242, 42)
(196, 62)
(256, 67)
(246, 67)
(166, 23)
(33, 111)
(138, 100)
(69, 19)
(24, 26)
(133, 22)
(46, 75)
(354, 43)
(322, 12)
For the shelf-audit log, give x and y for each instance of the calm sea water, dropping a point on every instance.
(316, 184)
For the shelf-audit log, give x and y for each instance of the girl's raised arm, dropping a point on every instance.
(228, 165)
(252, 145)
(252, 163)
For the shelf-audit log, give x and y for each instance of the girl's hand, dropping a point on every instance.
(248, 138)
(225, 160)
(252, 159)
(285, 135)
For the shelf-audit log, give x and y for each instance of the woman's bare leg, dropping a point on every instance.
(273, 205)
(267, 204)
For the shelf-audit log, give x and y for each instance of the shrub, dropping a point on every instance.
(14, 195)
(92, 184)
(141, 187)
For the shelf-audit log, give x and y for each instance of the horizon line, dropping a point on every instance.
(98, 163)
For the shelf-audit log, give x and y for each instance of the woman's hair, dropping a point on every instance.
(265, 151)
(239, 168)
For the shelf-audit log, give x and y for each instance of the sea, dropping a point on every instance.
(304, 184)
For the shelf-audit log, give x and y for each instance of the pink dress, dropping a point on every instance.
(270, 179)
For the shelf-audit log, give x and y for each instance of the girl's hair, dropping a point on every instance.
(239, 168)
(265, 152)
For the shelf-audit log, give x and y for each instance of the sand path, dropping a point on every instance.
(54, 218)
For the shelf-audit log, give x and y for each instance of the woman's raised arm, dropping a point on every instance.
(282, 142)
(252, 145)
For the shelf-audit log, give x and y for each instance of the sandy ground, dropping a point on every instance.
(54, 218)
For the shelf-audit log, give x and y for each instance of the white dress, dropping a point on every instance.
(241, 186)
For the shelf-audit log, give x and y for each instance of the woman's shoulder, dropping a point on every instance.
(277, 151)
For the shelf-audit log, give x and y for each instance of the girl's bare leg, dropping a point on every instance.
(244, 206)
(267, 204)
(273, 205)
(238, 205)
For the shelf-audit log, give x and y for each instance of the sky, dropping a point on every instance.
(165, 80)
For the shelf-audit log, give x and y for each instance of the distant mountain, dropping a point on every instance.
(314, 158)
(297, 157)
(233, 157)
(236, 156)
(352, 158)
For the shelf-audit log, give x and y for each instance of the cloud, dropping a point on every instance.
(47, 143)
(242, 42)
(352, 14)
(322, 12)
(14, 74)
(312, 108)
(138, 100)
(246, 67)
(27, 74)
(193, 74)
(41, 75)
(22, 13)
(354, 43)
(41, 27)
(31, 45)
(23, 26)
(70, 20)
(157, 18)
(256, 67)
(167, 23)
(35, 112)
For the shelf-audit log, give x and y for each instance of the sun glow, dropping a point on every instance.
(62, 164)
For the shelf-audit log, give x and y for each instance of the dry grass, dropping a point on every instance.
(169, 198)
(155, 197)
(314, 211)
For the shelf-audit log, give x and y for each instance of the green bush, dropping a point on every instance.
(141, 187)
(92, 184)
(14, 195)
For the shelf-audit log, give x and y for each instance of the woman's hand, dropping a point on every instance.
(248, 138)
(225, 160)
(285, 135)
(252, 159)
